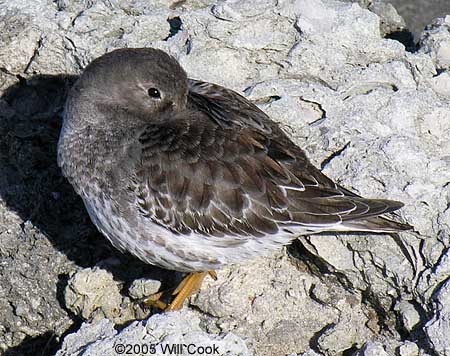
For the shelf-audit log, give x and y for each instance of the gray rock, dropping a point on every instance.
(307, 353)
(93, 290)
(94, 294)
(409, 315)
(391, 21)
(89, 333)
(439, 324)
(142, 287)
(372, 349)
(408, 349)
(373, 116)
(435, 41)
(419, 13)
(155, 336)
(288, 304)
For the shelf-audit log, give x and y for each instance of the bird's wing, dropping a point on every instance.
(226, 107)
(194, 175)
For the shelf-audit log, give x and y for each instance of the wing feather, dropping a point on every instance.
(223, 168)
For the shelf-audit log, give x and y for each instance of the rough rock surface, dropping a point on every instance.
(374, 116)
(159, 335)
(419, 13)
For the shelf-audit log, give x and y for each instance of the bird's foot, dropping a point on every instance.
(154, 301)
(188, 286)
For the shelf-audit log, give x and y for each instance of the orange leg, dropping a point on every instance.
(188, 286)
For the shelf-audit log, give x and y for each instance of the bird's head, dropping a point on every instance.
(127, 88)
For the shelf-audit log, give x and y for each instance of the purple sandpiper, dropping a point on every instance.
(191, 176)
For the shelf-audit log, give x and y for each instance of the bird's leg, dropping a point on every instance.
(213, 274)
(187, 287)
(155, 301)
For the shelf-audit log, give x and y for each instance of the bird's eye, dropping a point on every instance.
(154, 93)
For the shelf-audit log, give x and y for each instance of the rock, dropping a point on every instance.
(93, 294)
(441, 85)
(409, 315)
(158, 335)
(439, 324)
(141, 288)
(408, 349)
(372, 115)
(391, 21)
(76, 343)
(372, 349)
(419, 14)
(268, 293)
(307, 353)
(435, 41)
(93, 290)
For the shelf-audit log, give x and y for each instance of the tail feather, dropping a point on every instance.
(375, 224)
(367, 208)
(373, 218)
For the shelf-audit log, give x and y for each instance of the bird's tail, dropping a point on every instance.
(375, 224)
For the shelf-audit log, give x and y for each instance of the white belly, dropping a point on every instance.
(159, 246)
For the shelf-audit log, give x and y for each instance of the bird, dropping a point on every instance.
(191, 176)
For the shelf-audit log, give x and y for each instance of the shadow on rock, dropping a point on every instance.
(34, 188)
(46, 343)
(30, 122)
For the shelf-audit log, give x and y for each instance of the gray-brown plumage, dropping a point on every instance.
(191, 176)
